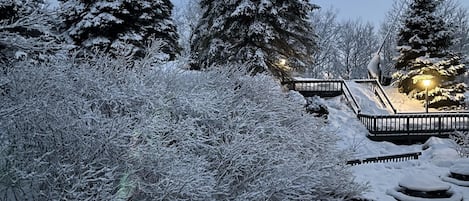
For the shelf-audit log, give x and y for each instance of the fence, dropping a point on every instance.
(390, 158)
(427, 123)
(324, 88)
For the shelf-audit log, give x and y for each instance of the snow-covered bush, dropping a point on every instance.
(261, 36)
(86, 131)
(461, 140)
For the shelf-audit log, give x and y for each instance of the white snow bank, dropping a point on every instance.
(462, 169)
(440, 151)
(449, 179)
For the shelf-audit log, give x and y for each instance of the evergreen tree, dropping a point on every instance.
(122, 27)
(262, 35)
(423, 43)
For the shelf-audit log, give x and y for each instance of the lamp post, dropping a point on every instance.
(426, 83)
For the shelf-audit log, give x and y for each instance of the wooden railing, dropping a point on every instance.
(351, 99)
(379, 91)
(317, 87)
(325, 88)
(426, 123)
(384, 159)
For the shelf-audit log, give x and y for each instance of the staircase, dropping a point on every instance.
(396, 127)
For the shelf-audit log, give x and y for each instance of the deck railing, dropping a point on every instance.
(325, 88)
(440, 123)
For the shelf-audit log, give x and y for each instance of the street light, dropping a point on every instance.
(426, 83)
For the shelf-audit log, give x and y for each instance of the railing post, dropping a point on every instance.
(374, 123)
(439, 125)
(408, 125)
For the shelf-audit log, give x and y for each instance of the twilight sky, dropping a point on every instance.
(368, 10)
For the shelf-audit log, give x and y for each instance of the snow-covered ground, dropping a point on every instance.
(434, 162)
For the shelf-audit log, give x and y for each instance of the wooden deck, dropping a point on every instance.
(395, 127)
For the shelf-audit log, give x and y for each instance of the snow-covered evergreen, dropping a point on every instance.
(121, 27)
(261, 35)
(424, 42)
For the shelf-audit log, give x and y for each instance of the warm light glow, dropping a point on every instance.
(282, 62)
(426, 83)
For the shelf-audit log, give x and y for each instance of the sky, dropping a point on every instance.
(368, 10)
(372, 11)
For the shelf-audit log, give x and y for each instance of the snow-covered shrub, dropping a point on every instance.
(315, 105)
(95, 131)
(461, 141)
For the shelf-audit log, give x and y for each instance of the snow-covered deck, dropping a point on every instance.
(377, 112)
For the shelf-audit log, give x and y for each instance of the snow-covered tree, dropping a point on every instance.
(344, 48)
(356, 46)
(388, 32)
(186, 17)
(457, 15)
(26, 30)
(423, 42)
(261, 35)
(326, 58)
(121, 27)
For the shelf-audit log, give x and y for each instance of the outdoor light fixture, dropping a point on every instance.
(282, 62)
(426, 84)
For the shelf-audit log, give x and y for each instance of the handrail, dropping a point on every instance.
(354, 101)
(389, 158)
(382, 94)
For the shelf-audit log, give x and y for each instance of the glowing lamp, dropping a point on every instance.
(426, 83)
(282, 62)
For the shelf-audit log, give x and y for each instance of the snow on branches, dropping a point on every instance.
(85, 131)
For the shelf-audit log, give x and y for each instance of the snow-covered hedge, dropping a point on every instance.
(92, 131)
(461, 142)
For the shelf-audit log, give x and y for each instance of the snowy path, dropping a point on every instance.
(380, 177)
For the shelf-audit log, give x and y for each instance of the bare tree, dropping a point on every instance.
(357, 43)
(327, 30)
